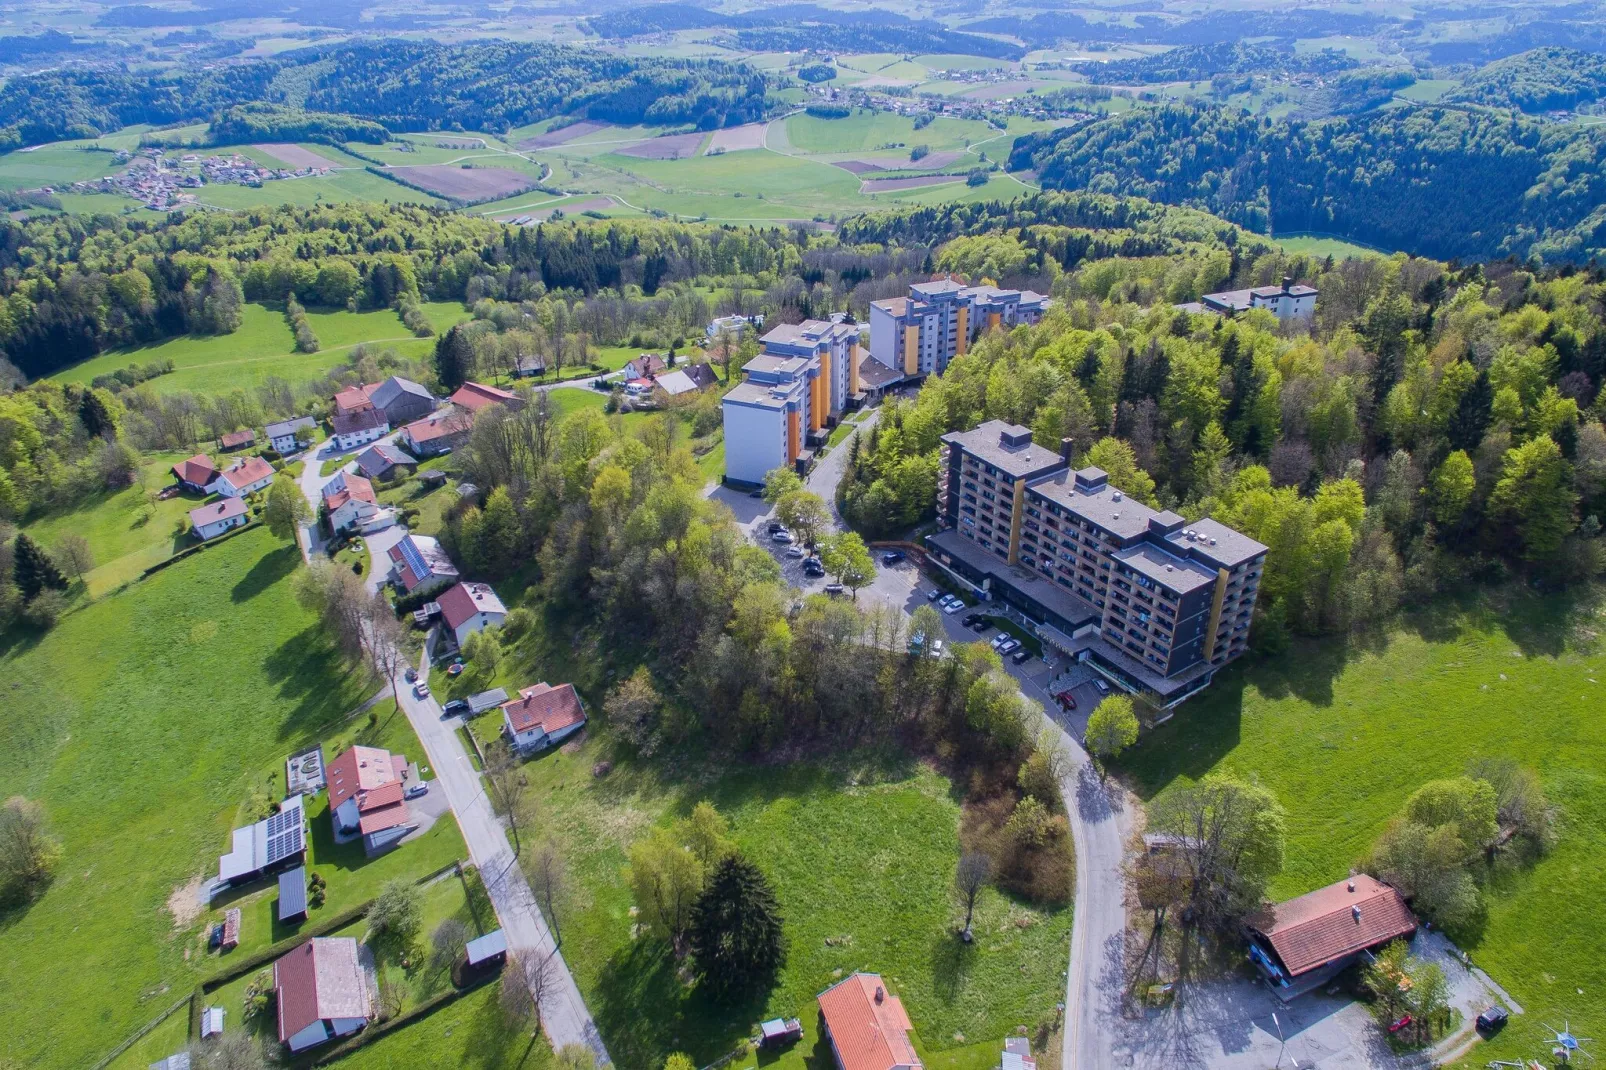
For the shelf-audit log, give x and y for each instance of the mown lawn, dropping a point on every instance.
(470, 1033)
(1343, 730)
(861, 853)
(146, 723)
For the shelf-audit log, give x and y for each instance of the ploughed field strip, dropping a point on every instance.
(562, 135)
(295, 155)
(887, 185)
(673, 147)
(466, 183)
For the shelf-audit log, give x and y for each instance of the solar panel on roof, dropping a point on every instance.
(286, 836)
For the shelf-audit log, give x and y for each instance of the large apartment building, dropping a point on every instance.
(918, 335)
(792, 394)
(1151, 602)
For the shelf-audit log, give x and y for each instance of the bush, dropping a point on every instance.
(977, 177)
(829, 111)
(44, 610)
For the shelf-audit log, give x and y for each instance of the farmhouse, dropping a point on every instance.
(196, 474)
(245, 476)
(542, 716)
(438, 432)
(352, 399)
(366, 798)
(401, 400)
(272, 844)
(321, 989)
(236, 440)
(383, 460)
(359, 426)
(351, 503)
(473, 397)
(284, 436)
(213, 519)
(692, 379)
(867, 1025)
(470, 607)
(645, 366)
(418, 563)
(1300, 944)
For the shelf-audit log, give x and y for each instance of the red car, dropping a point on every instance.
(1401, 1024)
(1066, 700)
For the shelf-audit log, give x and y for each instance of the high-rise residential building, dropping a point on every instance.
(918, 335)
(792, 394)
(1151, 602)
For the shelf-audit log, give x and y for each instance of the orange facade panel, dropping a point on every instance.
(855, 355)
(962, 345)
(911, 350)
(828, 402)
(992, 320)
(794, 435)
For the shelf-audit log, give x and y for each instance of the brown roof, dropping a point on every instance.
(347, 422)
(438, 425)
(362, 769)
(320, 979)
(646, 364)
(248, 471)
(550, 708)
(198, 470)
(236, 439)
(868, 1025)
(461, 601)
(1335, 921)
(353, 487)
(476, 396)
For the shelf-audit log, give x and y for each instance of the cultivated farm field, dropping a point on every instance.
(1344, 730)
(155, 721)
(461, 183)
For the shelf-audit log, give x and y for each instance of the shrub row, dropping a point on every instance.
(306, 340)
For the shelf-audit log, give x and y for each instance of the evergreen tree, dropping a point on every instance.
(95, 412)
(736, 931)
(33, 568)
(454, 358)
(1472, 413)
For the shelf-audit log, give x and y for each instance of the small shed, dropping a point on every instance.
(489, 950)
(237, 440)
(293, 894)
(779, 1032)
(211, 1022)
(231, 930)
(486, 700)
(181, 1061)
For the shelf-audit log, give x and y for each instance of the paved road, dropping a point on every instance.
(564, 1016)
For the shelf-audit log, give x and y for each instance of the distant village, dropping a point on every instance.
(162, 183)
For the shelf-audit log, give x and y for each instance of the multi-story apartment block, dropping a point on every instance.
(793, 392)
(1154, 604)
(918, 335)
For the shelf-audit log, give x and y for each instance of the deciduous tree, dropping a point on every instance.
(1112, 727)
(286, 509)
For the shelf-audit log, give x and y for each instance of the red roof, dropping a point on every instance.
(362, 769)
(476, 396)
(551, 709)
(353, 487)
(248, 471)
(236, 439)
(437, 425)
(645, 365)
(198, 470)
(868, 1026)
(355, 398)
(1335, 921)
(350, 421)
(461, 601)
(322, 978)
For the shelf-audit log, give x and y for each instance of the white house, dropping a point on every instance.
(213, 519)
(282, 435)
(419, 562)
(351, 504)
(470, 607)
(356, 428)
(368, 797)
(322, 992)
(734, 324)
(245, 476)
(1288, 301)
(542, 716)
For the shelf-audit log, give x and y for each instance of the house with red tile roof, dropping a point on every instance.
(867, 1025)
(196, 473)
(367, 798)
(245, 476)
(419, 562)
(322, 992)
(470, 607)
(237, 440)
(1299, 944)
(350, 503)
(438, 432)
(476, 396)
(357, 427)
(645, 366)
(354, 399)
(542, 716)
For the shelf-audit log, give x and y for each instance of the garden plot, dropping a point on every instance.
(295, 155)
(466, 183)
(736, 138)
(672, 147)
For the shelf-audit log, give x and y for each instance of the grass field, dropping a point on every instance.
(1343, 730)
(263, 346)
(471, 1033)
(149, 724)
(1337, 248)
(861, 854)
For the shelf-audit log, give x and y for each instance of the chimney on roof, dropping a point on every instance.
(1288, 281)
(1065, 450)
(1352, 884)
(1356, 910)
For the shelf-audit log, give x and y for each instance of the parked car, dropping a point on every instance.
(813, 567)
(776, 525)
(936, 648)
(1008, 646)
(933, 594)
(421, 690)
(795, 551)
(833, 588)
(416, 791)
(968, 619)
(456, 706)
(1492, 1020)
(783, 536)
(1104, 688)
(1021, 657)
(1067, 700)
(999, 640)
(982, 626)
(953, 607)
(892, 557)
(1401, 1023)
(411, 675)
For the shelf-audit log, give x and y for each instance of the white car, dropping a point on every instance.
(936, 648)
(794, 551)
(933, 594)
(945, 601)
(783, 536)
(1009, 646)
(1104, 688)
(998, 640)
(953, 607)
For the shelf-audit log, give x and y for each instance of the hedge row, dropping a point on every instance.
(380, 1029)
(241, 967)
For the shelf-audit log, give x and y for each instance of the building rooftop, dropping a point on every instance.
(770, 364)
(476, 396)
(876, 375)
(198, 470)
(936, 286)
(1215, 543)
(351, 421)
(212, 512)
(1092, 499)
(869, 1027)
(895, 305)
(247, 471)
(1007, 447)
(1333, 922)
(552, 709)
(288, 427)
(460, 602)
(362, 769)
(394, 387)
(1168, 570)
(323, 978)
(762, 395)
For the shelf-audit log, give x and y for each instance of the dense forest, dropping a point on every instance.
(403, 85)
(1441, 182)
(1540, 80)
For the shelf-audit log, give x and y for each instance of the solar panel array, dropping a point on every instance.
(415, 560)
(286, 835)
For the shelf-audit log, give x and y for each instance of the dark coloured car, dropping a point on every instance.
(411, 675)
(1492, 1020)
(982, 625)
(970, 619)
(776, 525)
(1020, 657)
(892, 557)
(456, 706)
